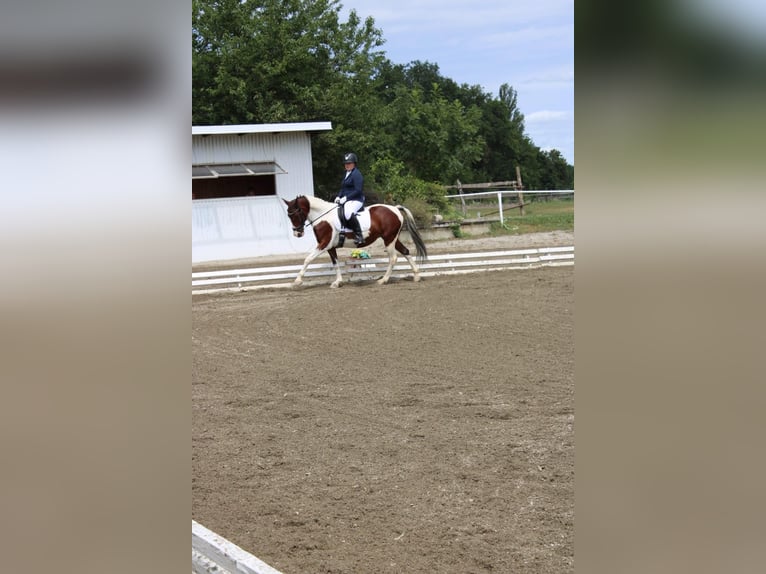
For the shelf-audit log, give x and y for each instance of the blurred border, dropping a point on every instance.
(94, 117)
(95, 107)
(669, 284)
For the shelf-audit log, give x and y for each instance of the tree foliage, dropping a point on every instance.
(270, 61)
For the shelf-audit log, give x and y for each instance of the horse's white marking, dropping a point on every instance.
(320, 210)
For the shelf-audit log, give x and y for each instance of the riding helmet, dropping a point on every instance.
(350, 157)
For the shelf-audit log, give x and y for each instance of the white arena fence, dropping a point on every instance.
(213, 554)
(449, 264)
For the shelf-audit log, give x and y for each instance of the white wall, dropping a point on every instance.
(236, 228)
(242, 227)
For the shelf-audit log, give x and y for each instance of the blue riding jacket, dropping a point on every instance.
(351, 188)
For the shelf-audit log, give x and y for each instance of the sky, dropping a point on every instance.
(528, 44)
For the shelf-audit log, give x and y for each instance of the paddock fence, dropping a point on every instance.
(516, 195)
(354, 269)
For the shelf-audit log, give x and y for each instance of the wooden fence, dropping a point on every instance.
(448, 264)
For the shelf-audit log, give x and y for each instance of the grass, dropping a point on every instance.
(553, 215)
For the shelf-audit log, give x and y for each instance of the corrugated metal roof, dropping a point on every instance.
(261, 128)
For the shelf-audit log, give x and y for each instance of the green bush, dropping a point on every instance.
(451, 213)
(422, 212)
(391, 180)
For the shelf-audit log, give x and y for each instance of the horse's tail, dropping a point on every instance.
(409, 221)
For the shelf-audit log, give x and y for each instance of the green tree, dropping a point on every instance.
(264, 61)
(277, 60)
(502, 126)
(555, 172)
(437, 140)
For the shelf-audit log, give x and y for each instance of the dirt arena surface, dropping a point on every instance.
(412, 427)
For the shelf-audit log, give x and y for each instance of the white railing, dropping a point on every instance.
(448, 264)
(212, 553)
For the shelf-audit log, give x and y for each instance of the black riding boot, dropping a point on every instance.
(354, 224)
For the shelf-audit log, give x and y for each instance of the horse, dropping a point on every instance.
(378, 221)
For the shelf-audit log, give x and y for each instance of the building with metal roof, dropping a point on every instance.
(240, 175)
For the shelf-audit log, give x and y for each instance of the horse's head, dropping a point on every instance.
(298, 211)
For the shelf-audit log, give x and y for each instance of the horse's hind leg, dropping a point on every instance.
(406, 252)
(391, 250)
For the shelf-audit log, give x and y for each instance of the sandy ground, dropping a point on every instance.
(411, 427)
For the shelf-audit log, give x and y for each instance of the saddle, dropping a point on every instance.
(362, 217)
(342, 217)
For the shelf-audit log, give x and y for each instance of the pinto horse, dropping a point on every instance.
(386, 223)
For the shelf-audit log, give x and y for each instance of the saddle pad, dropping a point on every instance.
(364, 221)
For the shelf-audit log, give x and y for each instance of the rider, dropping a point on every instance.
(351, 196)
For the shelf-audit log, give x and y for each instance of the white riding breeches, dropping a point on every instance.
(351, 207)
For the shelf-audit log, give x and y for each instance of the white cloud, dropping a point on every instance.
(560, 79)
(458, 15)
(547, 116)
(529, 38)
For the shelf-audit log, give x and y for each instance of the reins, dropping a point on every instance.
(307, 221)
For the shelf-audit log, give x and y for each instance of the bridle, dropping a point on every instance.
(305, 221)
(304, 217)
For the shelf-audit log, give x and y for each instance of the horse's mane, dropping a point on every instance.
(318, 203)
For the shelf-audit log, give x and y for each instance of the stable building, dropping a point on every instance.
(240, 175)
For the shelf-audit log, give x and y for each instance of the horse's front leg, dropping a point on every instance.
(309, 258)
(338, 277)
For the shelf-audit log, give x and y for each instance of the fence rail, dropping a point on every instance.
(447, 264)
(214, 554)
(507, 192)
(500, 193)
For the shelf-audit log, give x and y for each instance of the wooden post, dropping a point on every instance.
(460, 191)
(520, 187)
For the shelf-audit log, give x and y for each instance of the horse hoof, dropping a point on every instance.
(334, 285)
(416, 278)
(297, 283)
(382, 281)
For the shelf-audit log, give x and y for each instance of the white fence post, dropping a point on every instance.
(500, 206)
